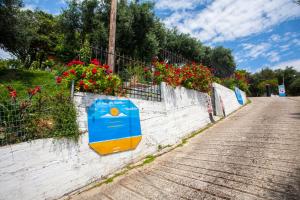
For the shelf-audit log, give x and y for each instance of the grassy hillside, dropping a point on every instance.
(21, 80)
(50, 113)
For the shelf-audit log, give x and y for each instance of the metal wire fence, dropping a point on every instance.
(131, 71)
(172, 58)
(149, 92)
(28, 113)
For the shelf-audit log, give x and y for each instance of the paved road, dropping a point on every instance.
(253, 154)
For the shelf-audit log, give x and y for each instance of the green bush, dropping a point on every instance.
(3, 65)
(49, 63)
(64, 117)
(295, 87)
(136, 73)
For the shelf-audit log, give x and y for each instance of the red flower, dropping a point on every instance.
(13, 94)
(86, 87)
(75, 62)
(72, 71)
(83, 75)
(95, 62)
(81, 83)
(94, 71)
(58, 79)
(33, 91)
(146, 69)
(91, 81)
(157, 73)
(106, 66)
(66, 74)
(38, 89)
(108, 71)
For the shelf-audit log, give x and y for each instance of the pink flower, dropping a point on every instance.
(108, 71)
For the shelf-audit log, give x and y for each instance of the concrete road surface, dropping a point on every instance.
(252, 154)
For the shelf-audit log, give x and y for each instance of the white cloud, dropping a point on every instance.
(296, 42)
(225, 20)
(273, 56)
(275, 37)
(174, 5)
(31, 7)
(255, 50)
(284, 47)
(4, 54)
(291, 63)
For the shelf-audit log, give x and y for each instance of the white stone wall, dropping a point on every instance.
(244, 96)
(48, 168)
(228, 97)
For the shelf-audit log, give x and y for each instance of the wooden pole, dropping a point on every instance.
(112, 35)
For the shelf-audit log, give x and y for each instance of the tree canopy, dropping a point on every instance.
(259, 80)
(35, 35)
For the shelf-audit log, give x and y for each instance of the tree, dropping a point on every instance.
(70, 26)
(33, 36)
(222, 62)
(9, 10)
(289, 74)
(88, 10)
(185, 45)
(259, 80)
(274, 77)
(206, 59)
(294, 88)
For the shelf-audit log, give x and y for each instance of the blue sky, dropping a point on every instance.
(261, 33)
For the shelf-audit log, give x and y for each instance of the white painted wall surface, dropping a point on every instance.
(228, 97)
(48, 168)
(244, 97)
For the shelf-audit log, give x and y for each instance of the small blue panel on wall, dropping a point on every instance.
(113, 125)
(113, 119)
(238, 95)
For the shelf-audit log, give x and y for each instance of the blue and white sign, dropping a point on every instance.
(281, 90)
(238, 95)
(114, 126)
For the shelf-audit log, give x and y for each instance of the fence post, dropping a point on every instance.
(72, 89)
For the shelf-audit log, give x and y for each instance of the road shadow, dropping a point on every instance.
(295, 115)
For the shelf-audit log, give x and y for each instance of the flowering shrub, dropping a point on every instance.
(239, 80)
(93, 77)
(192, 76)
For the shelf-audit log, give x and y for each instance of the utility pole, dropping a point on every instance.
(112, 35)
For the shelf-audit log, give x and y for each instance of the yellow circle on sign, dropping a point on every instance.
(114, 111)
